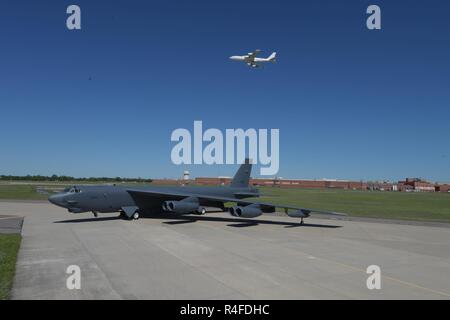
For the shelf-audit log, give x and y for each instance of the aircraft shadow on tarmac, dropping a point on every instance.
(233, 222)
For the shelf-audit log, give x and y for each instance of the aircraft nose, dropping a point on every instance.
(56, 199)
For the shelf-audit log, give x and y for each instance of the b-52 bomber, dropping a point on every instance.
(132, 201)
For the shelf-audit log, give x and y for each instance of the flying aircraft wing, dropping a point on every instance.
(252, 55)
(264, 206)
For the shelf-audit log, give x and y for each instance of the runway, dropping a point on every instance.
(220, 257)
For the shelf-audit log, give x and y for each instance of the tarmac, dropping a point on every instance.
(217, 256)
(10, 224)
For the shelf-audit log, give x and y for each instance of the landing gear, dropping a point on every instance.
(134, 216)
(95, 214)
(201, 211)
(301, 221)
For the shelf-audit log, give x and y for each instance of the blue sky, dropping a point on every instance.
(350, 103)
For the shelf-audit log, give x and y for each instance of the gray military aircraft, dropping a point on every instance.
(131, 201)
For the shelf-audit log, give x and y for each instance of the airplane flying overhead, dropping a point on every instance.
(131, 201)
(252, 60)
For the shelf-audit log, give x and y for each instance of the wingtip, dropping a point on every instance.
(339, 214)
(333, 213)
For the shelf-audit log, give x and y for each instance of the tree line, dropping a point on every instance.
(69, 178)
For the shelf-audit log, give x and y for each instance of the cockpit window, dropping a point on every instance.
(72, 190)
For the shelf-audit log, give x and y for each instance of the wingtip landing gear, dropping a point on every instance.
(130, 213)
(135, 216)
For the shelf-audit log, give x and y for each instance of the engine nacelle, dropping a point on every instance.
(246, 212)
(180, 206)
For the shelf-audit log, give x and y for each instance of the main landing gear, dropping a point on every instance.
(95, 213)
(134, 216)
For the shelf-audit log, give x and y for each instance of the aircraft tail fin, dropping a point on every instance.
(242, 177)
(272, 57)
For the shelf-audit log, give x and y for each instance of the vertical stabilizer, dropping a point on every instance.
(242, 177)
(272, 57)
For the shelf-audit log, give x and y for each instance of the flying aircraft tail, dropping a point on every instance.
(272, 57)
(242, 177)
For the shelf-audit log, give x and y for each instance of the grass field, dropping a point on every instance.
(9, 246)
(21, 192)
(29, 190)
(378, 204)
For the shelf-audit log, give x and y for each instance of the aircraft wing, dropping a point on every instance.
(252, 55)
(265, 206)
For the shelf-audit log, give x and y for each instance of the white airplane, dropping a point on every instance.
(252, 60)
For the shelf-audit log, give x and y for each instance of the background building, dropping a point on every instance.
(407, 185)
(443, 187)
(417, 184)
(289, 183)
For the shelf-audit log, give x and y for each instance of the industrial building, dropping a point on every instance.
(408, 185)
(416, 184)
(289, 183)
(443, 188)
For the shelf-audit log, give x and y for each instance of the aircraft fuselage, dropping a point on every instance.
(113, 198)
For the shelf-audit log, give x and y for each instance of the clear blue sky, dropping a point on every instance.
(350, 103)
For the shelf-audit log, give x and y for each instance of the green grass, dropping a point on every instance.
(28, 190)
(9, 246)
(21, 192)
(378, 204)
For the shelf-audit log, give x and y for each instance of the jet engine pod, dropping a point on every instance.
(299, 214)
(251, 211)
(180, 206)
